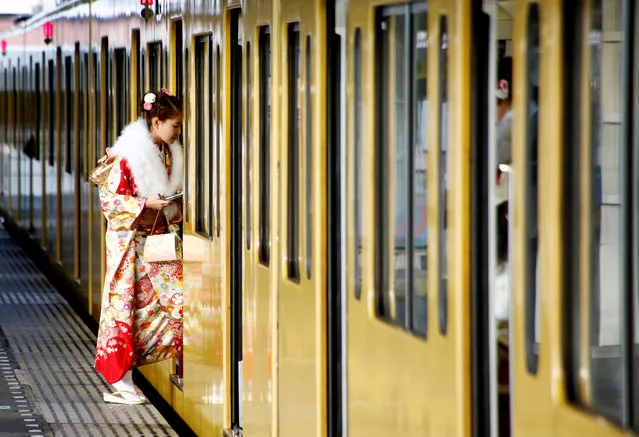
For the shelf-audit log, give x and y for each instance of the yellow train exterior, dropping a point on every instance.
(339, 237)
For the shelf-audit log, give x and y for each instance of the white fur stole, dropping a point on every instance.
(143, 157)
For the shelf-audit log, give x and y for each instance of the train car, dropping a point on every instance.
(340, 224)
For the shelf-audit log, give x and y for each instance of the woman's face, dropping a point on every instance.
(167, 130)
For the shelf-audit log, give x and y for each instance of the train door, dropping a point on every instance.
(302, 224)
(574, 280)
(259, 409)
(409, 242)
(176, 81)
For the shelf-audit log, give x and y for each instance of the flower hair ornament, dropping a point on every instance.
(165, 91)
(149, 100)
(503, 89)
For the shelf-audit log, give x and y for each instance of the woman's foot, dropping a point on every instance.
(124, 397)
(125, 392)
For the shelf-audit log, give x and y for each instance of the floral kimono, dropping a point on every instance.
(141, 317)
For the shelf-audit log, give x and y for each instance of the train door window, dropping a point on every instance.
(14, 108)
(121, 90)
(38, 108)
(155, 65)
(212, 117)
(607, 207)
(69, 82)
(52, 113)
(177, 65)
(97, 83)
(3, 113)
(265, 143)
(444, 159)
(25, 104)
(202, 85)
(108, 92)
(309, 151)
(248, 155)
(218, 133)
(400, 160)
(420, 157)
(293, 194)
(532, 190)
(185, 143)
(358, 162)
(136, 72)
(80, 93)
(164, 73)
(84, 155)
(107, 89)
(142, 78)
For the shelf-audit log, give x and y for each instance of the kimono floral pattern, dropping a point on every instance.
(141, 316)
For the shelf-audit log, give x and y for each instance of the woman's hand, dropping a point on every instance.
(157, 203)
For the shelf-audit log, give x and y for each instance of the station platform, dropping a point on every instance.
(48, 386)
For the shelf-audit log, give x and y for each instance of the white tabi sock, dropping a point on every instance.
(126, 386)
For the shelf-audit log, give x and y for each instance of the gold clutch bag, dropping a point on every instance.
(162, 247)
(100, 173)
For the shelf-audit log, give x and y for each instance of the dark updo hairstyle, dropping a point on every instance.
(166, 106)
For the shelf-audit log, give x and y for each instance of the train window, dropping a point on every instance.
(607, 152)
(179, 68)
(401, 166)
(51, 93)
(107, 87)
(201, 61)
(3, 119)
(69, 106)
(121, 90)
(38, 109)
(136, 71)
(210, 56)
(185, 144)
(15, 99)
(265, 142)
(532, 190)
(84, 102)
(108, 92)
(444, 159)
(97, 83)
(309, 158)
(293, 195)
(25, 116)
(420, 158)
(155, 65)
(248, 154)
(213, 131)
(358, 161)
(163, 67)
(142, 78)
(218, 133)
(178, 48)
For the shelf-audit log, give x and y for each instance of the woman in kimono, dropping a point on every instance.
(141, 317)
